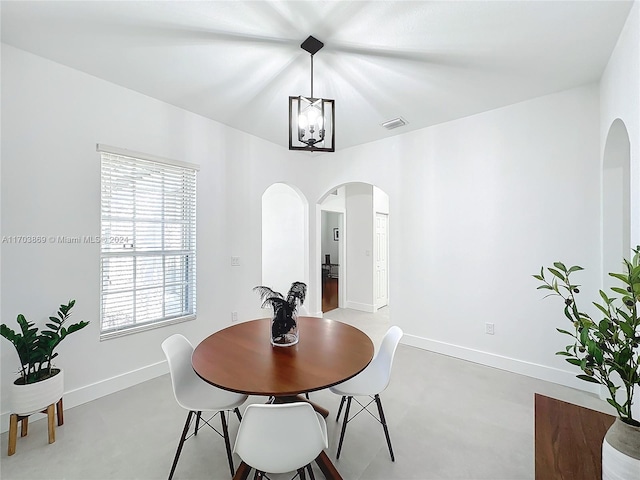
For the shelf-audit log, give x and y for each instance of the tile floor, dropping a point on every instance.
(448, 419)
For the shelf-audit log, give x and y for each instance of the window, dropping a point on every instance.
(147, 243)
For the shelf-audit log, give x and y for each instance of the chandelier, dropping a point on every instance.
(311, 119)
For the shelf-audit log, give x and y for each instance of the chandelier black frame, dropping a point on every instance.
(311, 119)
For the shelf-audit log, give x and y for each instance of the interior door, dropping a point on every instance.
(381, 260)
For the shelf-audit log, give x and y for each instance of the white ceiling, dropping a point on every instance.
(237, 62)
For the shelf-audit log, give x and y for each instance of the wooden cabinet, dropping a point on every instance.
(568, 440)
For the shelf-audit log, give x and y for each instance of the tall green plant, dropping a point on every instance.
(607, 347)
(36, 349)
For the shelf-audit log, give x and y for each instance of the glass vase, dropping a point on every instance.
(284, 329)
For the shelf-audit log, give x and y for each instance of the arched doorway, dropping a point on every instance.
(354, 246)
(616, 209)
(616, 200)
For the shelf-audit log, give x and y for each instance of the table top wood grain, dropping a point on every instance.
(240, 358)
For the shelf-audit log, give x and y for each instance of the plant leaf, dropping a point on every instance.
(560, 266)
(564, 331)
(587, 378)
(556, 273)
(621, 277)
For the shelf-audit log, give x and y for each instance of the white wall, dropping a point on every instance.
(620, 99)
(284, 227)
(380, 201)
(477, 206)
(335, 202)
(359, 244)
(52, 119)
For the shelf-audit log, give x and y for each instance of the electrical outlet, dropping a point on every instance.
(235, 261)
(489, 328)
(234, 317)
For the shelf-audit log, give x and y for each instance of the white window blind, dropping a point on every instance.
(148, 243)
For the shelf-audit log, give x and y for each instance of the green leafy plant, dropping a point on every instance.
(607, 349)
(283, 308)
(36, 348)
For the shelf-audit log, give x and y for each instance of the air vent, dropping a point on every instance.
(395, 123)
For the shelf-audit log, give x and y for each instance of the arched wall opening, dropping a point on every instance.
(616, 200)
(353, 240)
(285, 238)
(616, 211)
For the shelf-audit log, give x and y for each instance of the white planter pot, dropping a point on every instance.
(621, 452)
(35, 397)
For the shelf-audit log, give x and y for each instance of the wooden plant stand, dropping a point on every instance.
(50, 411)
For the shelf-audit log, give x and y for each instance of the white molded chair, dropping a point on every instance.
(281, 438)
(370, 382)
(197, 396)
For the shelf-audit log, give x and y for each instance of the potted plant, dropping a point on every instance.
(284, 325)
(40, 383)
(607, 350)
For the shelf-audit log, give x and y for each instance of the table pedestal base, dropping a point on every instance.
(299, 398)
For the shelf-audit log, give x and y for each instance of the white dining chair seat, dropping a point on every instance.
(369, 382)
(199, 395)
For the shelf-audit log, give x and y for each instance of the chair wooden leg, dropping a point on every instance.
(13, 433)
(384, 426)
(227, 443)
(51, 418)
(182, 438)
(340, 409)
(198, 415)
(237, 412)
(60, 412)
(24, 426)
(301, 474)
(344, 426)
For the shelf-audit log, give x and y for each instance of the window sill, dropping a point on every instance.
(141, 328)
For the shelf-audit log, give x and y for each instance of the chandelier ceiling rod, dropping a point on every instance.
(312, 76)
(311, 120)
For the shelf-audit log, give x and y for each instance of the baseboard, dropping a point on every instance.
(513, 365)
(96, 390)
(363, 307)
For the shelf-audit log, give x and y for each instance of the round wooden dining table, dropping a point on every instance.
(240, 358)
